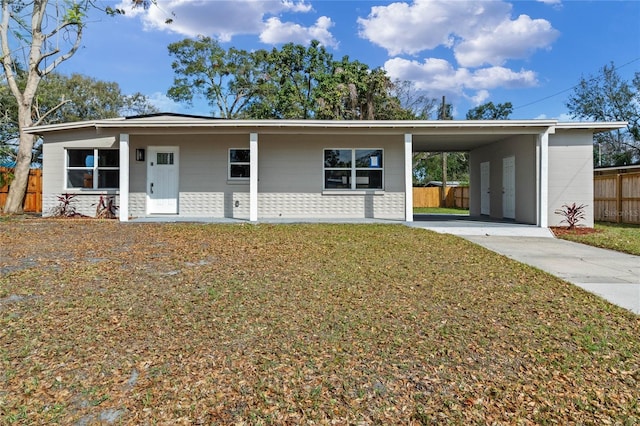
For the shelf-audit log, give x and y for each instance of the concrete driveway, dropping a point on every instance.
(609, 274)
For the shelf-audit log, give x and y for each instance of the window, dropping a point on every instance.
(353, 169)
(239, 163)
(93, 168)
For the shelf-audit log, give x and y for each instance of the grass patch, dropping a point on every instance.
(619, 237)
(439, 210)
(298, 324)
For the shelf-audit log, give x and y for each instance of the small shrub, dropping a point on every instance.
(66, 206)
(573, 214)
(106, 207)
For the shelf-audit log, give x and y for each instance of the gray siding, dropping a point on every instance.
(570, 173)
(53, 170)
(291, 178)
(523, 148)
(290, 183)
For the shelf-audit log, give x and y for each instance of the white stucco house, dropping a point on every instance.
(188, 166)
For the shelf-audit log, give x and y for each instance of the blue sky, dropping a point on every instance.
(529, 53)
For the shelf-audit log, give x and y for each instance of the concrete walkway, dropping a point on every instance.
(609, 274)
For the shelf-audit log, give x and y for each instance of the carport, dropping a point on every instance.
(520, 171)
(508, 163)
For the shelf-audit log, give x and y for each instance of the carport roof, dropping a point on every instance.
(427, 135)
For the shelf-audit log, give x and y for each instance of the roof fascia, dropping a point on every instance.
(74, 125)
(413, 126)
(594, 126)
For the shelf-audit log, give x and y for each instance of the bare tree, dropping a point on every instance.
(23, 32)
(36, 36)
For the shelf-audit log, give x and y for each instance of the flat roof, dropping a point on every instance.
(439, 135)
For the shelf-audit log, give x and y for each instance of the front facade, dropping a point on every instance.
(172, 165)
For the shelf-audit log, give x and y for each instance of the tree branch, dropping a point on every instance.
(50, 111)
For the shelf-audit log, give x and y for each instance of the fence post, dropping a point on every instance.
(619, 198)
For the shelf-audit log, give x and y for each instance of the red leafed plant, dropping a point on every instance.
(573, 214)
(106, 207)
(66, 206)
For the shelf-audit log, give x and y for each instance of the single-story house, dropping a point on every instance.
(189, 166)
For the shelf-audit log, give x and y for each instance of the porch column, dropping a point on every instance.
(542, 183)
(253, 177)
(408, 177)
(123, 209)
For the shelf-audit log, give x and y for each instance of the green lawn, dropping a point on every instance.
(619, 237)
(439, 210)
(298, 324)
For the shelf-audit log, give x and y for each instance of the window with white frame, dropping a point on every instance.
(239, 165)
(357, 168)
(93, 168)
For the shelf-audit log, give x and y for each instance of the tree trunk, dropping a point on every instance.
(18, 188)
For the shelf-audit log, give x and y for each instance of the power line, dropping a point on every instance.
(574, 86)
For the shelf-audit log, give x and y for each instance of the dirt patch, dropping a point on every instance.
(563, 230)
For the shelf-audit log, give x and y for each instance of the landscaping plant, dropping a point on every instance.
(66, 206)
(106, 207)
(573, 214)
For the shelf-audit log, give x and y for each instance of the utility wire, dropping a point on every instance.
(574, 86)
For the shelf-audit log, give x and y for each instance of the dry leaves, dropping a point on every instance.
(102, 322)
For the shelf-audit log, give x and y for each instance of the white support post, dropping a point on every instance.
(542, 184)
(253, 177)
(408, 177)
(123, 209)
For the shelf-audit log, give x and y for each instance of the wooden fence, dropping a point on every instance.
(33, 199)
(617, 198)
(457, 196)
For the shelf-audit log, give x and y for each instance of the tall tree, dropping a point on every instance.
(37, 36)
(296, 71)
(226, 79)
(353, 91)
(24, 21)
(85, 98)
(489, 111)
(293, 82)
(608, 97)
(62, 98)
(420, 106)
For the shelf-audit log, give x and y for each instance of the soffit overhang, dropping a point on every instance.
(450, 135)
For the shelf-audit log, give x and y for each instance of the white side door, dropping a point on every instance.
(509, 187)
(485, 190)
(162, 180)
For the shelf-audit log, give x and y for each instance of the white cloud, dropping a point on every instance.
(480, 97)
(277, 32)
(479, 32)
(163, 103)
(224, 19)
(437, 77)
(524, 36)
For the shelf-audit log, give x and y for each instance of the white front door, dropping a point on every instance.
(162, 180)
(485, 192)
(509, 187)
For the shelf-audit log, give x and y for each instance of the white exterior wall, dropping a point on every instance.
(570, 174)
(523, 148)
(54, 174)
